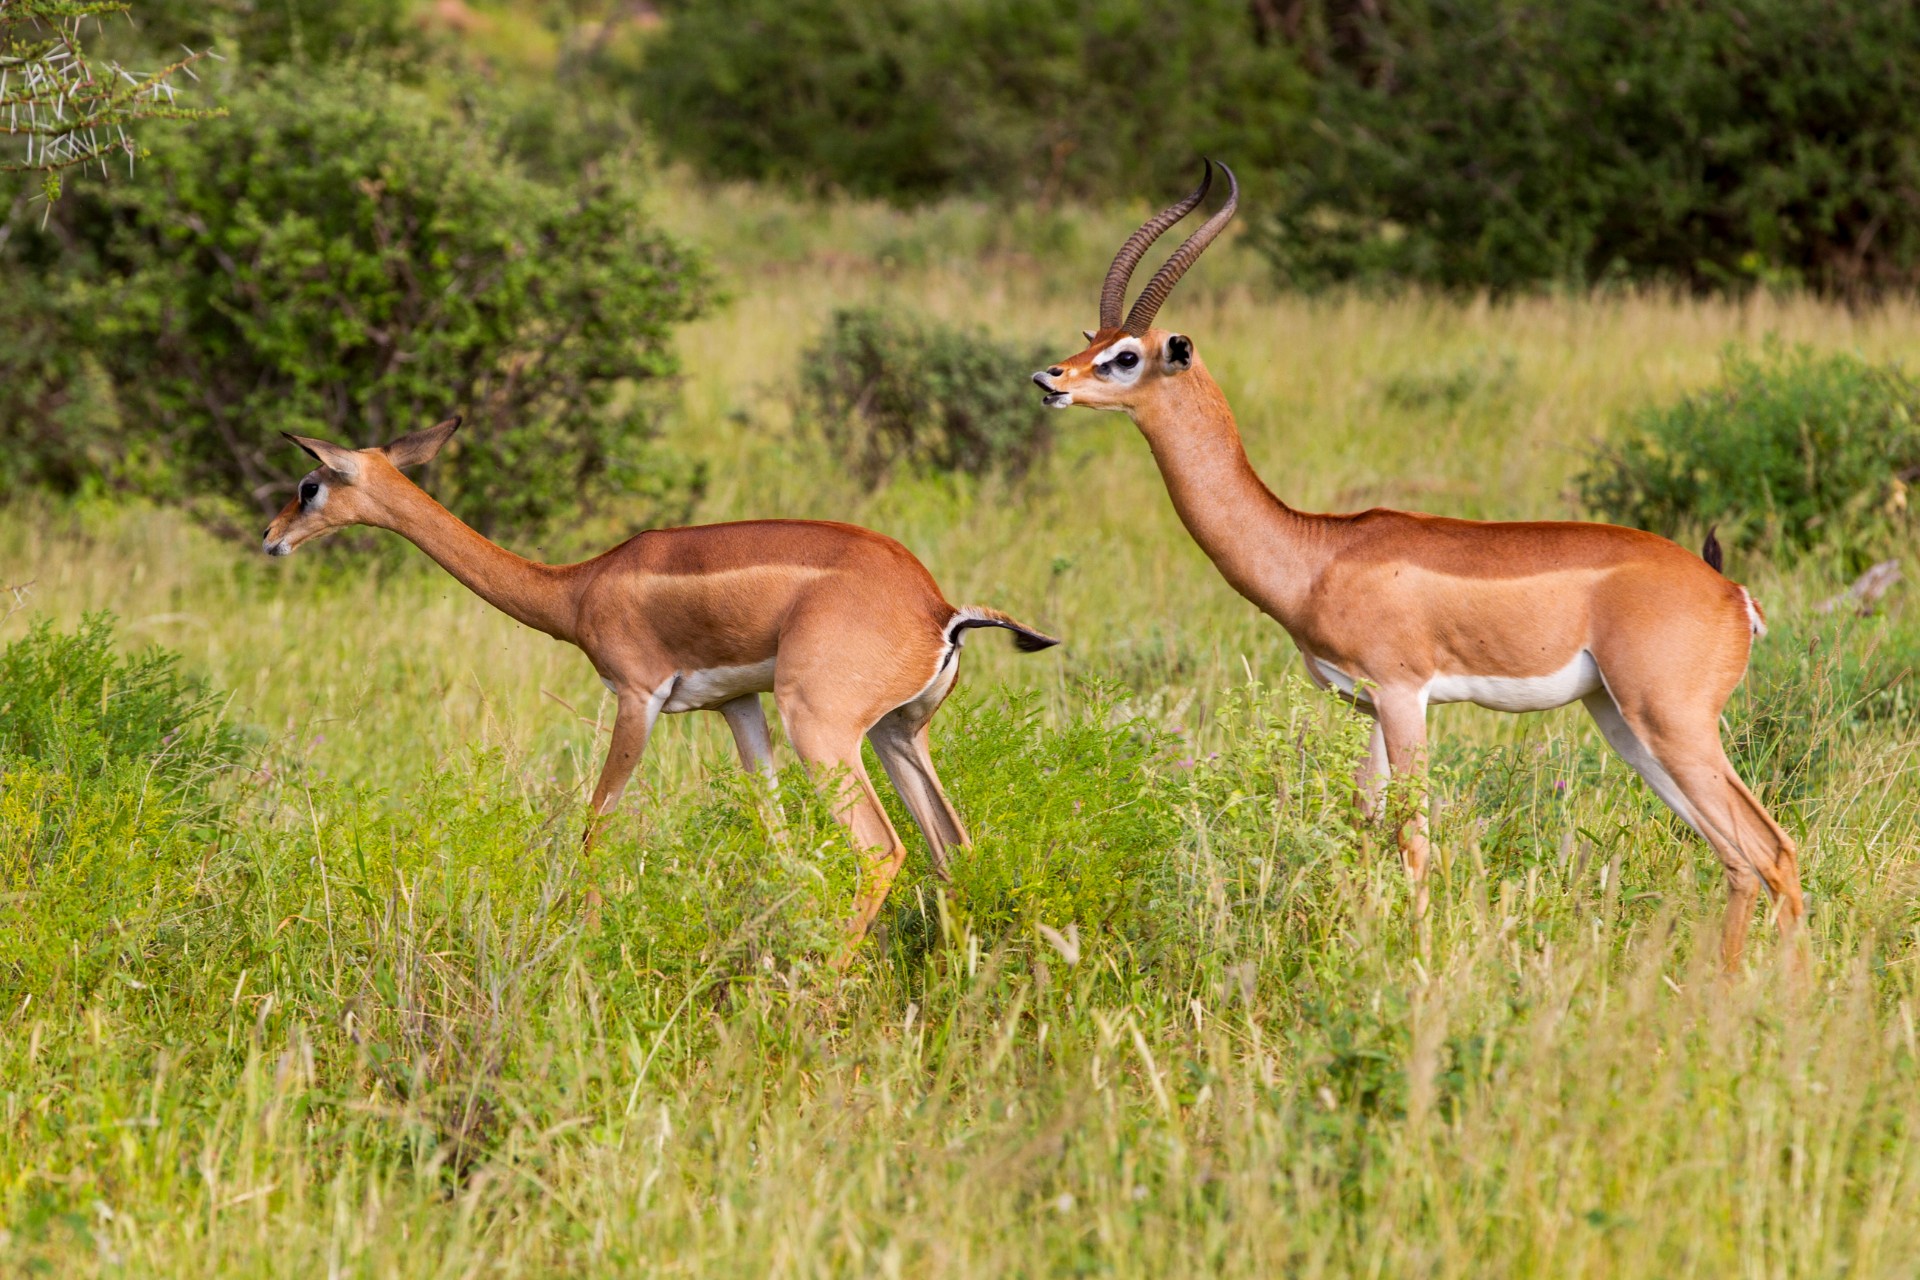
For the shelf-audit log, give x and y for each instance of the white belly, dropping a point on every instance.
(1521, 693)
(1570, 683)
(704, 690)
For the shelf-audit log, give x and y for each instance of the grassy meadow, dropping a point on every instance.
(333, 1010)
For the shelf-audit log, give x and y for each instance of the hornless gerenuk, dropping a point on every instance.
(845, 628)
(1397, 610)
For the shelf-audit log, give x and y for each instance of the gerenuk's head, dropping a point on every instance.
(1125, 358)
(350, 486)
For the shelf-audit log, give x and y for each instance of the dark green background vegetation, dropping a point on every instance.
(359, 247)
(1465, 143)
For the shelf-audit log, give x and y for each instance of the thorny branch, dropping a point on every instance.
(65, 108)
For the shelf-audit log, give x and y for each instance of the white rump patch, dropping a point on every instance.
(705, 690)
(1755, 623)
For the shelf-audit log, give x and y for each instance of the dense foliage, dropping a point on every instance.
(1790, 450)
(346, 258)
(1461, 143)
(1504, 142)
(914, 100)
(70, 701)
(268, 32)
(887, 391)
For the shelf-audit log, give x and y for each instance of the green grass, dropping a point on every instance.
(338, 1014)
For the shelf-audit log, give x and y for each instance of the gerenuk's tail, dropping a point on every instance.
(1711, 553)
(1715, 558)
(1025, 638)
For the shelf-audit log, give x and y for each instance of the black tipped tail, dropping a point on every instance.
(1025, 638)
(1711, 553)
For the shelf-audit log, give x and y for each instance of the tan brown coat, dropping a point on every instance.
(845, 628)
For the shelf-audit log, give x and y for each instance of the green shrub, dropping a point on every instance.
(918, 99)
(344, 257)
(1471, 143)
(1789, 451)
(887, 391)
(107, 771)
(70, 702)
(59, 418)
(1072, 824)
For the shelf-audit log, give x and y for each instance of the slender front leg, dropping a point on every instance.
(748, 720)
(1403, 731)
(632, 723)
(1370, 779)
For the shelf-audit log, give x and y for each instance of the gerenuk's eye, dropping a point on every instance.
(1127, 359)
(309, 491)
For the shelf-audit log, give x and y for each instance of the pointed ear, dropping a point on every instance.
(331, 456)
(1091, 334)
(413, 449)
(1179, 353)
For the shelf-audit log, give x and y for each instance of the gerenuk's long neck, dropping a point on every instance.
(1269, 552)
(544, 597)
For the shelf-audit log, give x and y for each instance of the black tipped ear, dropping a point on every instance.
(332, 456)
(417, 447)
(1179, 351)
(1091, 334)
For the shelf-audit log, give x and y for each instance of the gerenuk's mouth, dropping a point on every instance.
(1051, 398)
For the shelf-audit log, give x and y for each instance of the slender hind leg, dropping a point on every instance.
(900, 740)
(1681, 758)
(748, 720)
(829, 741)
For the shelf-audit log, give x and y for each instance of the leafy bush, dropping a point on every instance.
(343, 257)
(59, 418)
(107, 768)
(1073, 823)
(1500, 143)
(70, 702)
(887, 390)
(1789, 451)
(912, 100)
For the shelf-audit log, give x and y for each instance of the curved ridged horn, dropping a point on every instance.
(1113, 294)
(1173, 268)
